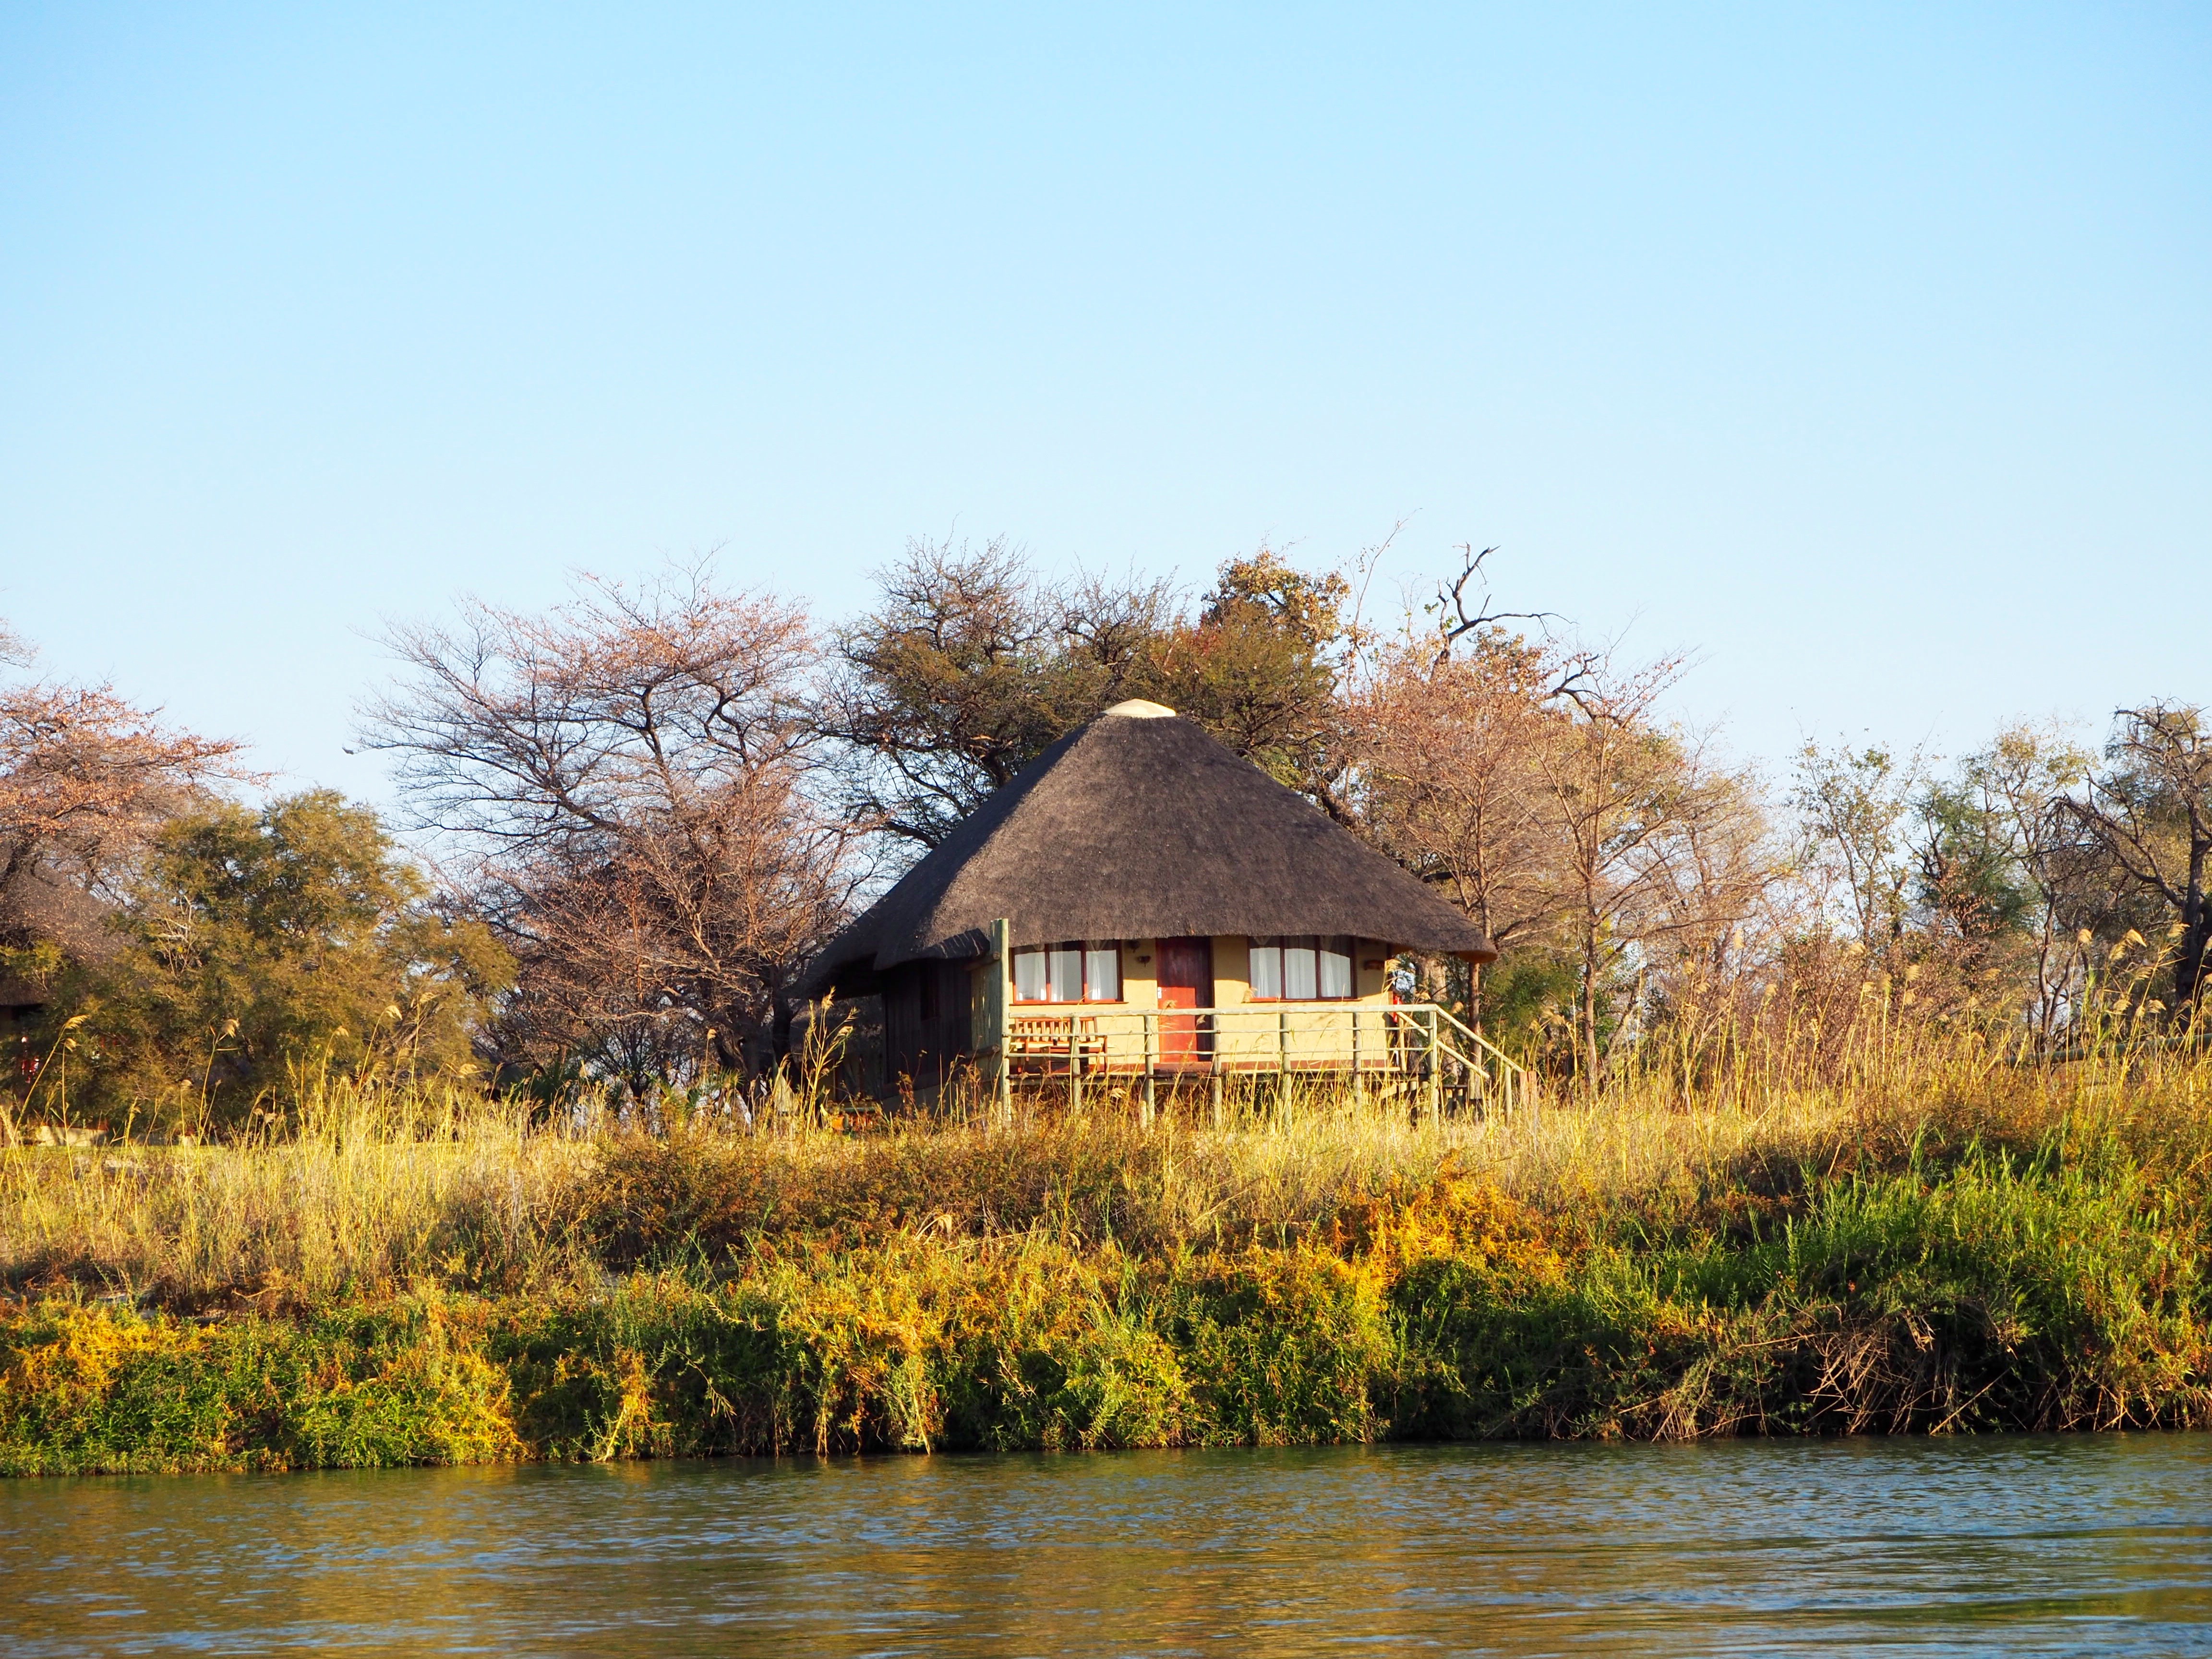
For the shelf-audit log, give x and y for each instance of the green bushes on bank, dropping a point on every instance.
(85, 1388)
(1994, 1291)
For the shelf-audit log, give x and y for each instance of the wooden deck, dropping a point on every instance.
(1414, 1047)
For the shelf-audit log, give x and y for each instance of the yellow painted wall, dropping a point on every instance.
(1232, 971)
(1140, 973)
(1248, 1035)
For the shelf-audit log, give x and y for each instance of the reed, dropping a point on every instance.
(1936, 1237)
(359, 1189)
(362, 1189)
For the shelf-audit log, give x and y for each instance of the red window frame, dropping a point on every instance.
(1321, 943)
(1084, 950)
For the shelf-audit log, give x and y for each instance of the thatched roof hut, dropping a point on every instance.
(1139, 826)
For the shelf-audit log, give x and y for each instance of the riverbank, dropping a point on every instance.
(2024, 1254)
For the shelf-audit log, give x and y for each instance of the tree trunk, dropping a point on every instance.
(1587, 1018)
(780, 1027)
(2196, 933)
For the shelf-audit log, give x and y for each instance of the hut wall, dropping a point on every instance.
(927, 1023)
(1232, 969)
(1248, 1036)
(1140, 972)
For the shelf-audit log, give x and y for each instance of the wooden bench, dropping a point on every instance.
(1053, 1044)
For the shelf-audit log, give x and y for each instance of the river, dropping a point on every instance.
(2018, 1546)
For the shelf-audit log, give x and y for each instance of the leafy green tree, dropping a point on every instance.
(1969, 878)
(1259, 667)
(966, 671)
(261, 942)
(1998, 864)
(972, 666)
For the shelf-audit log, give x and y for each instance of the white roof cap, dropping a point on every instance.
(1136, 708)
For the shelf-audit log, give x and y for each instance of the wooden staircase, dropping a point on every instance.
(1460, 1067)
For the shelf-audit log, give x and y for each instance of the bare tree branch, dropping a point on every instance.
(86, 776)
(629, 777)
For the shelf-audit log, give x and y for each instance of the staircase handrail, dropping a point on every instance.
(1520, 1082)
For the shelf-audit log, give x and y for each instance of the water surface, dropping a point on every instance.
(2016, 1546)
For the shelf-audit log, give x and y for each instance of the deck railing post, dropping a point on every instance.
(1436, 1064)
(1213, 1063)
(999, 1003)
(1151, 1097)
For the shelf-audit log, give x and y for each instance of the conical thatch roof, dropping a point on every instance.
(1139, 826)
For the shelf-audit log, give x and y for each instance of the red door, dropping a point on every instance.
(1186, 982)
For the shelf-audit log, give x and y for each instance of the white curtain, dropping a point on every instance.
(1266, 968)
(1029, 976)
(1336, 967)
(1064, 972)
(1102, 973)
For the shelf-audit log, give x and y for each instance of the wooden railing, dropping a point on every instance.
(1417, 1048)
(1514, 1084)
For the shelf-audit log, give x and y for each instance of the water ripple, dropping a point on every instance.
(2022, 1545)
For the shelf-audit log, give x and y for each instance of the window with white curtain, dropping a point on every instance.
(1102, 972)
(1077, 970)
(1302, 968)
(1029, 976)
(1266, 969)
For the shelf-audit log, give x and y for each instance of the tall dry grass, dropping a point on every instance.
(357, 1189)
(1950, 1241)
(367, 1189)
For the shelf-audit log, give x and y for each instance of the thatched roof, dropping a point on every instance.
(1139, 826)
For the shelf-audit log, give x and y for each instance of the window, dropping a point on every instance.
(1266, 969)
(1029, 976)
(1302, 968)
(1102, 973)
(1077, 971)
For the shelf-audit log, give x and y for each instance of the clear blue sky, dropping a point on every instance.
(1866, 349)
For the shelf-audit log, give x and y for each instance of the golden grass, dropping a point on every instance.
(365, 1188)
(1957, 1241)
(368, 1188)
